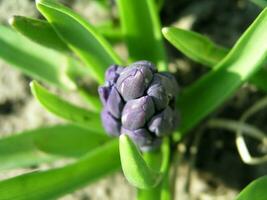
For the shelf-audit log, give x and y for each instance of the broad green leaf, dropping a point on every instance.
(54, 183)
(134, 167)
(154, 161)
(80, 37)
(77, 72)
(160, 192)
(38, 31)
(47, 144)
(141, 29)
(205, 95)
(260, 3)
(34, 60)
(149, 194)
(259, 79)
(66, 110)
(255, 190)
(111, 33)
(195, 46)
(93, 101)
(201, 49)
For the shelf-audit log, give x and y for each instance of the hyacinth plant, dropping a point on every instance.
(142, 109)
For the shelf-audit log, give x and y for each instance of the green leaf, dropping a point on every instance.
(68, 140)
(34, 60)
(54, 183)
(80, 37)
(158, 161)
(201, 49)
(255, 190)
(38, 31)
(134, 167)
(93, 101)
(196, 46)
(66, 110)
(112, 33)
(142, 32)
(246, 57)
(47, 144)
(260, 3)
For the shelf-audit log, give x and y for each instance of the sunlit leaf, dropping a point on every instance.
(196, 46)
(54, 183)
(142, 31)
(66, 110)
(260, 3)
(134, 167)
(39, 31)
(47, 144)
(255, 190)
(80, 37)
(201, 49)
(34, 60)
(205, 95)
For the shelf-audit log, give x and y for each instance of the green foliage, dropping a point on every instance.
(38, 31)
(244, 59)
(90, 46)
(34, 60)
(201, 49)
(44, 52)
(66, 110)
(53, 183)
(141, 30)
(196, 46)
(255, 190)
(260, 3)
(134, 166)
(36, 146)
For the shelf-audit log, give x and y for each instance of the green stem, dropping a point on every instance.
(162, 163)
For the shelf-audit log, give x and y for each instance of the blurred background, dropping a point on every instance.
(216, 171)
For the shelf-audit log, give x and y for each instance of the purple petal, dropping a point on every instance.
(140, 137)
(137, 112)
(112, 73)
(158, 94)
(169, 83)
(133, 81)
(162, 123)
(104, 92)
(114, 103)
(111, 125)
(145, 63)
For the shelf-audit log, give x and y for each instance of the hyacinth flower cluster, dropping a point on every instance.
(139, 101)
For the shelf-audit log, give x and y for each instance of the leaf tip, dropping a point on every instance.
(165, 30)
(11, 20)
(33, 86)
(38, 1)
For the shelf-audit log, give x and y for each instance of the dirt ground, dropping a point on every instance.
(217, 171)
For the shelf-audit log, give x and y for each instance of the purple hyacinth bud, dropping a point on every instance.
(146, 63)
(162, 123)
(134, 80)
(104, 92)
(158, 94)
(111, 125)
(162, 90)
(114, 103)
(112, 73)
(140, 137)
(170, 83)
(139, 101)
(137, 112)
